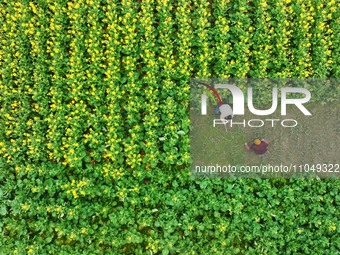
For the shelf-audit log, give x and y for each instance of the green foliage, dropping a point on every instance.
(94, 145)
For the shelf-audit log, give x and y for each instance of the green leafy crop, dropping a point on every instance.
(94, 126)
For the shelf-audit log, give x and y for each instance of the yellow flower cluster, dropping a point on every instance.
(185, 36)
(111, 38)
(109, 170)
(128, 32)
(222, 46)
(204, 55)
(303, 65)
(323, 15)
(262, 39)
(76, 188)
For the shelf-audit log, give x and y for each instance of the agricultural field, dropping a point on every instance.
(95, 128)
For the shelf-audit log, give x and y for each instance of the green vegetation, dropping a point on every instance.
(94, 126)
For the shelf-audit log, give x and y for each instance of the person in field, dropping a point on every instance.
(259, 146)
